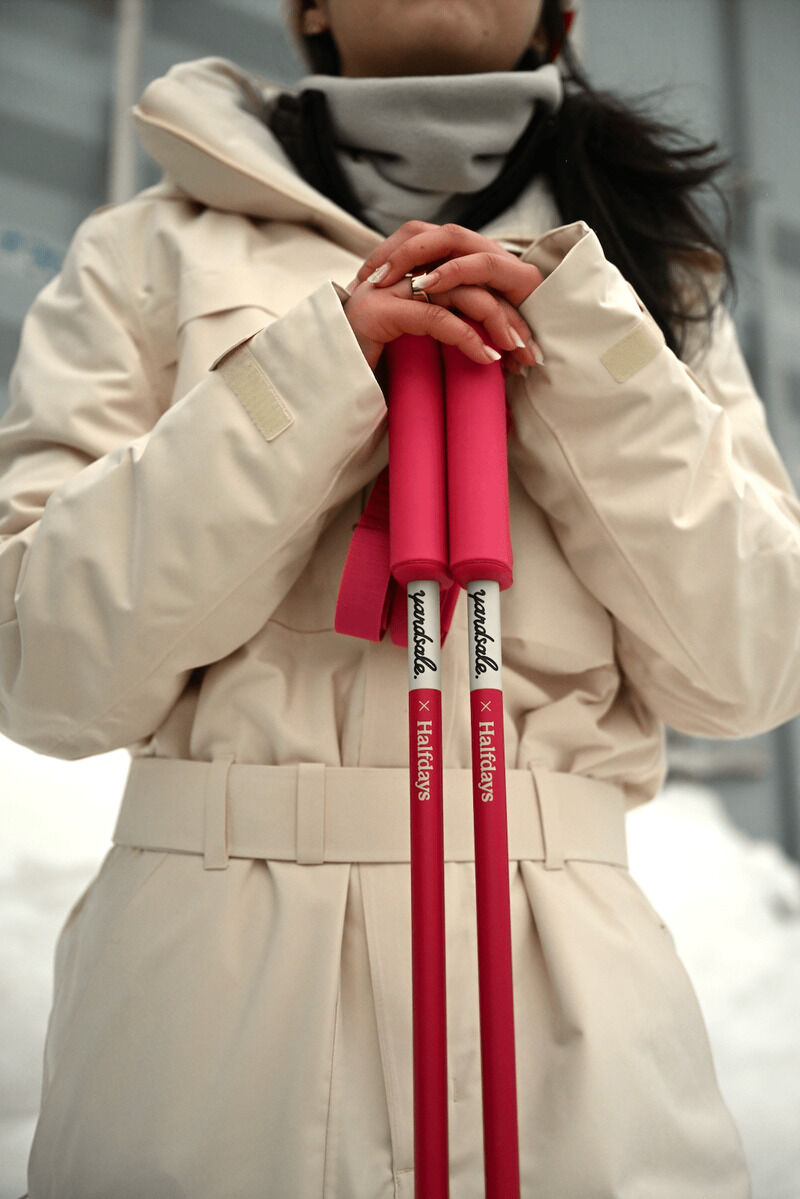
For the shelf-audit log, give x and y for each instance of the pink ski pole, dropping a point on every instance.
(481, 561)
(418, 555)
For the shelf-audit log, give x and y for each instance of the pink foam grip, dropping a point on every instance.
(417, 488)
(477, 468)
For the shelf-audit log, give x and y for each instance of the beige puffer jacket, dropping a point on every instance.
(192, 435)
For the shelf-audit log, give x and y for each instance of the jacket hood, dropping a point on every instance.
(202, 123)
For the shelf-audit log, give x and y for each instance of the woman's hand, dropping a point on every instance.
(484, 282)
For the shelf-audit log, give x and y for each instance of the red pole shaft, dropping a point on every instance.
(495, 978)
(428, 961)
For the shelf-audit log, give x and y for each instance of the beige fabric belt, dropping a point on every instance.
(312, 813)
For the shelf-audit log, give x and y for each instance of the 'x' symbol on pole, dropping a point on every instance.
(486, 705)
(423, 705)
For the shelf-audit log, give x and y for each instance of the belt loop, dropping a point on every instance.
(310, 813)
(550, 816)
(215, 840)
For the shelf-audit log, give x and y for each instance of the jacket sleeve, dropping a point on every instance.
(666, 493)
(140, 540)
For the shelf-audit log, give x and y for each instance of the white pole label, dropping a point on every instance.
(483, 630)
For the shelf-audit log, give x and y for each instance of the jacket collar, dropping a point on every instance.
(202, 122)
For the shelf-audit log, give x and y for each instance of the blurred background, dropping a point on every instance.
(718, 851)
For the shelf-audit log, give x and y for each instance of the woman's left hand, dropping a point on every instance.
(454, 257)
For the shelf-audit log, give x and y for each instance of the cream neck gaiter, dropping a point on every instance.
(420, 146)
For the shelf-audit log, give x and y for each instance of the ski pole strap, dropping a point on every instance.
(365, 592)
(369, 598)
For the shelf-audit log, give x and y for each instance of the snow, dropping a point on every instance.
(56, 821)
(731, 902)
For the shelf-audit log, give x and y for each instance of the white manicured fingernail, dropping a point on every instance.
(516, 338)
(424, 280)
(492, 355)
(537, 353)
(378, 274)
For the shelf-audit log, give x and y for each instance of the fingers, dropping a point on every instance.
(419, 242)
(379, 315)
(504, 325)
(502, 272)
(451, 258)
(440, 323)
(392, 243)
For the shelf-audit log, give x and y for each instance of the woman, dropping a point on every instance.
(197, 417)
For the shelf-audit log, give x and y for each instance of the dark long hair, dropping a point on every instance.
(641, 184)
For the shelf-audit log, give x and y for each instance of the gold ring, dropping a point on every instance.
(417, 291)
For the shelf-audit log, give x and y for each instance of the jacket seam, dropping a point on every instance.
(292, 629)
(141, 334)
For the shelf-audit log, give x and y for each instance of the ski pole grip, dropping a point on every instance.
(477, 468)
(417, 486)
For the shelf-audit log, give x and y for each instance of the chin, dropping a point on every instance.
(421, 63)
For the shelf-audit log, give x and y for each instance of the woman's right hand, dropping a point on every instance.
(378, 315)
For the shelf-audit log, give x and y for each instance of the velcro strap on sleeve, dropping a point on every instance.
(249, 382)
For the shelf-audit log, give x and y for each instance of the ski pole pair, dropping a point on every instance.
(448, 521)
